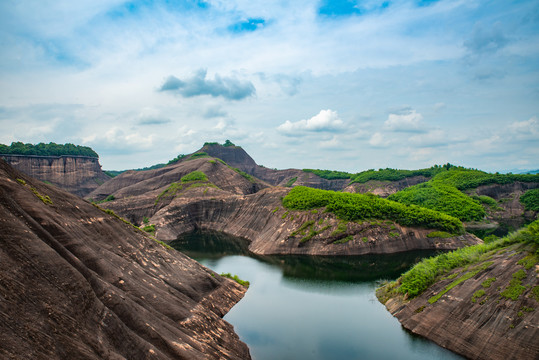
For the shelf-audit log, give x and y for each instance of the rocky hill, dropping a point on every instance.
(78, 282)
(487, 308)
(77, 174)
(207, 193)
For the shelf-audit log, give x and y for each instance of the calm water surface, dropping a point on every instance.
(304, 307)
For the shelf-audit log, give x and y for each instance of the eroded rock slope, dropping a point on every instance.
(78, 283)
(77, 174)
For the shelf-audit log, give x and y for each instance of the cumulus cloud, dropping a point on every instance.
(226, 87)
(405, 121)
(214, 112)
(325, 121)
(379, 140)
(525, 130)
(150, 116)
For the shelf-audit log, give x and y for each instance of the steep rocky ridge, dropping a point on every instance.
(385, 188)
(136, 193)
(272, 229)
(77, 174)
(473, 318)
(76, 282)
(509, 214)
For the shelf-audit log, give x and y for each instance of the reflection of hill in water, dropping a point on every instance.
(211, 245)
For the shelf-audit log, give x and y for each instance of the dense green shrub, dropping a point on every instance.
(329, 174)
(469, 179)
(352, 207)
(530, 200)
(194, 176)
(441, 197)
(425, 273)
(50, 149)
(291, 182)
(236, 279)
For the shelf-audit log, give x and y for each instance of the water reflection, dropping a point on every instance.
(309, 307)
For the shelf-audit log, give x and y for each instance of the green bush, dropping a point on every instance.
(236, 279)
(291, 182)
(530, 200)
(50, 149)
(469, 179)
(329, 174)
(425, 273)
(194, 176)
(353, 207)
(441, 197)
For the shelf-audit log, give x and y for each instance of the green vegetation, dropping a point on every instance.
(353, 207)
(441, 197)
(329, 174)
(515, 288)
(236, 279)
(395, 175)
(439, 234)
(194, 176)
(50, 149)
(488, 282)
(341, 229)
(344, 240)
(429, 270)
(487, 200)
(535, 293)
(302, 228)
(150, 229)
(198, 155)
(107, 199)
(275, 210)
(45, 198)
(468, 179)
(291, 182)
(530, 200)
(227, 143)
(463, 278)
(529, 261)
(244, 174)
(478, 295)
(21, 181)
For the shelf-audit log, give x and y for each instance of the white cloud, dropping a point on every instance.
(409, 121)
(325, 121)
(528, 129)
(379, 140)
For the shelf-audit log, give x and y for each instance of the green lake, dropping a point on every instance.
(312, 307)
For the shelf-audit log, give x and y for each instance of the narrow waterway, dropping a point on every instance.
(305, 307)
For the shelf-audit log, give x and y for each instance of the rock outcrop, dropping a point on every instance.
(77, 174)
(77, 282)
(476, 318)
(272, 229)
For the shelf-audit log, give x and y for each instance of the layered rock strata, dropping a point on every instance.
(77, 174)
(473, 318)
(77, 282)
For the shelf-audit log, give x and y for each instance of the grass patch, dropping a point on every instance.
(529, 261)
(275, 210)
(344, 240)
(150, 229)
(194, 176)
(428, 271)
(488, 282)
(236, 279)
(439, 234)
(364, 239)
(463, 278)
(341, 229)
(530, 200)
(291, 182)
(515, 288)
(303, 226)
(353, 207)
(478, 295)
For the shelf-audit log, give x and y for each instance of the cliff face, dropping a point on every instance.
(385, 188)
(76, 282)
(473, 318)
(77, 174)
(272, 229)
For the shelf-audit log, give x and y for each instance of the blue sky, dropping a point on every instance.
(347, 85)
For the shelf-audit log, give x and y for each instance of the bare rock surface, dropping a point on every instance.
(473, 318)
(77, 174)
(78, 283)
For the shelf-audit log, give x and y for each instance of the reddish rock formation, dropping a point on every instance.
(385, 188)
(78, 283)
(77, 174)
(485, 326)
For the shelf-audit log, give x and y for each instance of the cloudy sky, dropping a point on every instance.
(347, 84)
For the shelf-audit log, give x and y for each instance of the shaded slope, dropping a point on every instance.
(79, 283)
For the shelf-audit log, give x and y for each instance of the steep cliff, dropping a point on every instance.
(485, 310)
(272, 229)
(77, 282)
(77, 174)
